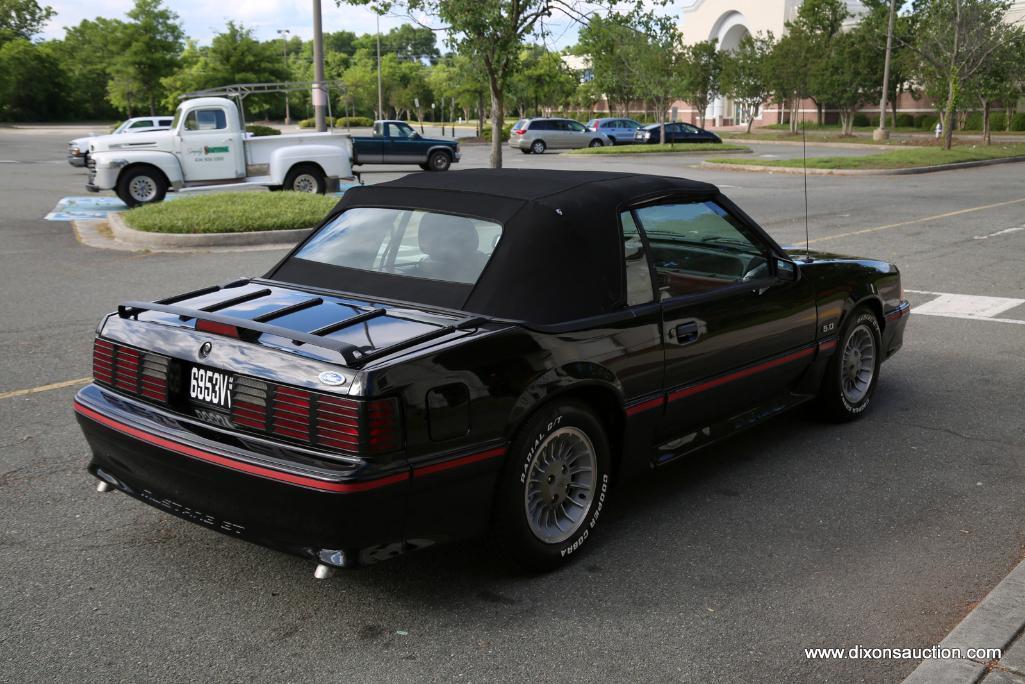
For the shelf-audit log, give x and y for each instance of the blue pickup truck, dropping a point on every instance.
(395, 142)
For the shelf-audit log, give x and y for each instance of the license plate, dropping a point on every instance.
(210, 387)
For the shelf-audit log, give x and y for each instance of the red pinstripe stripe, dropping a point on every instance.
(752, 370)
(457, 462)
(248, 468)
(826, 345)
(645, 406)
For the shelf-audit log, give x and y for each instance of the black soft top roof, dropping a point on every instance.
(561, 254)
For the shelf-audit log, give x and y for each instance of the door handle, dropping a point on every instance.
(686, 333)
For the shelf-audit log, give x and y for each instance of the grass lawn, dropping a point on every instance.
(232, 212)
(655, 149)
(894, 159)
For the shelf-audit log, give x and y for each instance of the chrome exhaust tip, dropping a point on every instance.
(104, 486)
(323, 571)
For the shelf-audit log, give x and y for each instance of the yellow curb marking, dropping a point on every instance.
(44, 388)
(925, 219)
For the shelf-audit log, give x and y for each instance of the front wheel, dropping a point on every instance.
(141, 185)
(306, 178)
(595, 143)
(439, 161)
(853, 371)
(554, 486)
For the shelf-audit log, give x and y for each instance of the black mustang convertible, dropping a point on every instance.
(483, 350)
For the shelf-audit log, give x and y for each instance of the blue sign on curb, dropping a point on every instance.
(97, 206)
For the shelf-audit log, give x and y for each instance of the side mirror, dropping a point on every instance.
(787, 270)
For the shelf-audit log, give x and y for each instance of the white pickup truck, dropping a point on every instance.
(207, 145)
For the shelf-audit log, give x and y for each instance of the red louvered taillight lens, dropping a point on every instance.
(315, 419)
(143, 374)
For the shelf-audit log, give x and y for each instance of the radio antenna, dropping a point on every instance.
(804, 165)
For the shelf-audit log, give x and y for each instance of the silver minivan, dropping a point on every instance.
(534, 136)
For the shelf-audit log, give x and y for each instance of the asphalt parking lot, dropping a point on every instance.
(884, 532)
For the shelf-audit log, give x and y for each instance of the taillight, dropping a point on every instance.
(129, 370)
(319, 420)
(520, 131)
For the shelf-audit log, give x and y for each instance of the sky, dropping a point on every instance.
(203, 19)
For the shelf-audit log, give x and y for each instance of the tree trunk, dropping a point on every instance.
(987, 138)
(893, 119)
(480, 114)
(152, 106)
(497, 119)
(750, 119)
(952, 82)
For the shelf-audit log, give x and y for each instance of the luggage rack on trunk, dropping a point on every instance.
(250, 329)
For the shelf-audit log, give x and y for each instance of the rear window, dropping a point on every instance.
(519, 125)
(414, 243)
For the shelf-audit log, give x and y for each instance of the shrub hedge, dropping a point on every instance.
(260, 131)
(340, 122)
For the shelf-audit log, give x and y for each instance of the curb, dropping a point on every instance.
(841, 145)
(914, 170)
(690, 153)
(125, 233)
(994, 623)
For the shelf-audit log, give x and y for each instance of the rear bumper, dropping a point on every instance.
(343, 515)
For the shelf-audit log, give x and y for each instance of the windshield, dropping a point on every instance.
(177, 117)
(121, 127)
(414, 243)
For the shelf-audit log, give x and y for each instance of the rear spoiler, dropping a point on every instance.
(251, 329)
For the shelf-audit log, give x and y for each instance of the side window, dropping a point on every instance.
(164, 122)
(206, 120)
(574, 126)
(540, 126)
(399, 130)
(697, 247)
(145, 123)
(638, 272)
(688, 129)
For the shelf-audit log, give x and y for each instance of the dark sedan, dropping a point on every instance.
(479, 351)
(675, 132)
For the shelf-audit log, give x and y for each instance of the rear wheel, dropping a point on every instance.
(595, 143)
(424, 166)
(554, 486)
(306, 178)
(439, 161)
(538, 147)
(141, 185)
(853, 371)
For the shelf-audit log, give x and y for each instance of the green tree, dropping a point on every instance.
(849, 75)
(954, 44)
(609, 42)
(85, 55)
(22, 19)
(30, 82)
(542, 83)
(746, 77)
(702, 64)
(490, 31)
(148, 48)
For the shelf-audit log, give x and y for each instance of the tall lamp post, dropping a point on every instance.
(319, 95)
(284, 54)
(881, 133)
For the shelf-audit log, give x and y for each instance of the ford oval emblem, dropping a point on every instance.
(332, 378)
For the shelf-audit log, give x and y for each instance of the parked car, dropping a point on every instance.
(674, 133)
(78, 149)
(207, 145)
(489, 349)
(534, 136)
(618, 131)
(395, 142)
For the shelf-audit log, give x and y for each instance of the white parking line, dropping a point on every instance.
(1005, 231)
(971, 307)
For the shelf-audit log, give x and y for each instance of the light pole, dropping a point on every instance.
(284, 54)
(881, 133)
(380, 98)
(319, 96)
